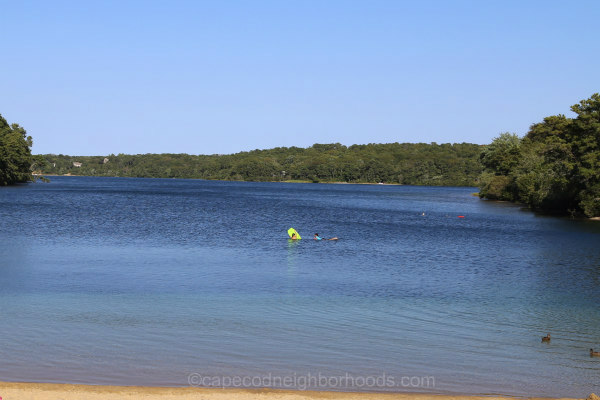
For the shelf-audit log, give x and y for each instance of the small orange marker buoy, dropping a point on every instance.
(461, 216)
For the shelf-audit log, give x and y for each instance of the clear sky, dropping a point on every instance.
(205, 77)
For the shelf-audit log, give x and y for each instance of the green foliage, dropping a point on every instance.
(496, 187)
(555, 168)
(411, 164)
(502, 155)
(15, 154)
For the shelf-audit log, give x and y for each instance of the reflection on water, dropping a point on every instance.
(144, 281)
(291, 256)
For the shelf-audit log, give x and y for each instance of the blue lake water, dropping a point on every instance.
(146, 281)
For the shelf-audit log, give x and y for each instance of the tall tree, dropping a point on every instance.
(15, 154)
(585, 136)
(555, 168)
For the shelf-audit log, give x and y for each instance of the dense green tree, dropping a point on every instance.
(555, 168)
(585, 138)
(502, 154)
(16, 160)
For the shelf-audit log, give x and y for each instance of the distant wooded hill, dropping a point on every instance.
(403, 163)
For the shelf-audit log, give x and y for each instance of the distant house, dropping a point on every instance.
(105, 161)
(77, 164)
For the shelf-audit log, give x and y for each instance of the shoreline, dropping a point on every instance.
(233, 180)
(62, 391)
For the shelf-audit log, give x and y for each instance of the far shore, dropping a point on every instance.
(54, 391)
(219, 180)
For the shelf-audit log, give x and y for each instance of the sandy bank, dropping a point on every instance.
(48, 391)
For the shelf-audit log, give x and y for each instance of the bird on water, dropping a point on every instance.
(546, 338)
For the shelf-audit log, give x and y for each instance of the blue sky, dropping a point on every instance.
(205, 77)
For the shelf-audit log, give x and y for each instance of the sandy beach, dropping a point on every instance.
(50, 391)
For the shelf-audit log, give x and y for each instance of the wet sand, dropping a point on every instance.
(50, 391)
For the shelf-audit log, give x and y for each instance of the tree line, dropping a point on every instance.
(400, 163)
(554, 168)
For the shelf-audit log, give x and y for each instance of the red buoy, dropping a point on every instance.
(461, 216)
